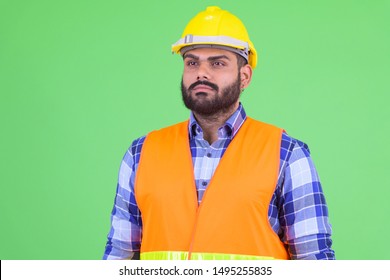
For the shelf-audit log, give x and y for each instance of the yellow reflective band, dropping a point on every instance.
(164, 255)
(167, 255)
(214, 256)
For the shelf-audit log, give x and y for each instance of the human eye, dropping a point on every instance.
(191, 63)
(218, 63)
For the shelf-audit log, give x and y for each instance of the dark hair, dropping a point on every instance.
(241, 61)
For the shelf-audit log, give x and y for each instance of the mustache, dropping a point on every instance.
(206, 83)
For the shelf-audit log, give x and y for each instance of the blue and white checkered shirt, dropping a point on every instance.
(297, 213)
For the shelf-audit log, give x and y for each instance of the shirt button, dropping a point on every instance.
(209, 155)
(204, 183)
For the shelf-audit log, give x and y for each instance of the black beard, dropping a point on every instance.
(221, 103)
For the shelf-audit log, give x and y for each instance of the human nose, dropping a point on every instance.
(203, 72)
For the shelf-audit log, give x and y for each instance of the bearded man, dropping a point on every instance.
(220, 185)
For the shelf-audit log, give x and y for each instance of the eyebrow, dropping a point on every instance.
(211, 58)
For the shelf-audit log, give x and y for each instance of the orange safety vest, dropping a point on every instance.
(231, 222)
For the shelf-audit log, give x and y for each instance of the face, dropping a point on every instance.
(212, 82)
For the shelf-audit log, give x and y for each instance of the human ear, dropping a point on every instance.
(245, 75)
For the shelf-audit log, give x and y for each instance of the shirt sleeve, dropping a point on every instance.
(304, 213)
(124, 237)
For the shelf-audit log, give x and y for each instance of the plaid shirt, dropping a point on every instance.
(297, 213)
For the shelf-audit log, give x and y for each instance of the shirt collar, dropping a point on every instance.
(232, 125)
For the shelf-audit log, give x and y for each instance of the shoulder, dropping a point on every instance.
(295, 157)
(170, 130)
(292, 151)
(260, 125)
(132, 154)
(136, 146)
(290, 145)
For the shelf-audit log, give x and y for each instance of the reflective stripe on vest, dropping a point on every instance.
(232, 218)
(178, 256)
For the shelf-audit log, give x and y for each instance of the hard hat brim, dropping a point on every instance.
(244, 49)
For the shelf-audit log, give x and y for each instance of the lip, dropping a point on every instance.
(202, 88)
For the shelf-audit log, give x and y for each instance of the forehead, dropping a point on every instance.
(205, 53)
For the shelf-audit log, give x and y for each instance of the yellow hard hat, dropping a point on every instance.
(215, 27)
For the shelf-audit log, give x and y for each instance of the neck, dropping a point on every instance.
(211, 123)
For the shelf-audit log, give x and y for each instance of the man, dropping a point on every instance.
(221, 185)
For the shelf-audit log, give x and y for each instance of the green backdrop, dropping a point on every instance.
(79, 80)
